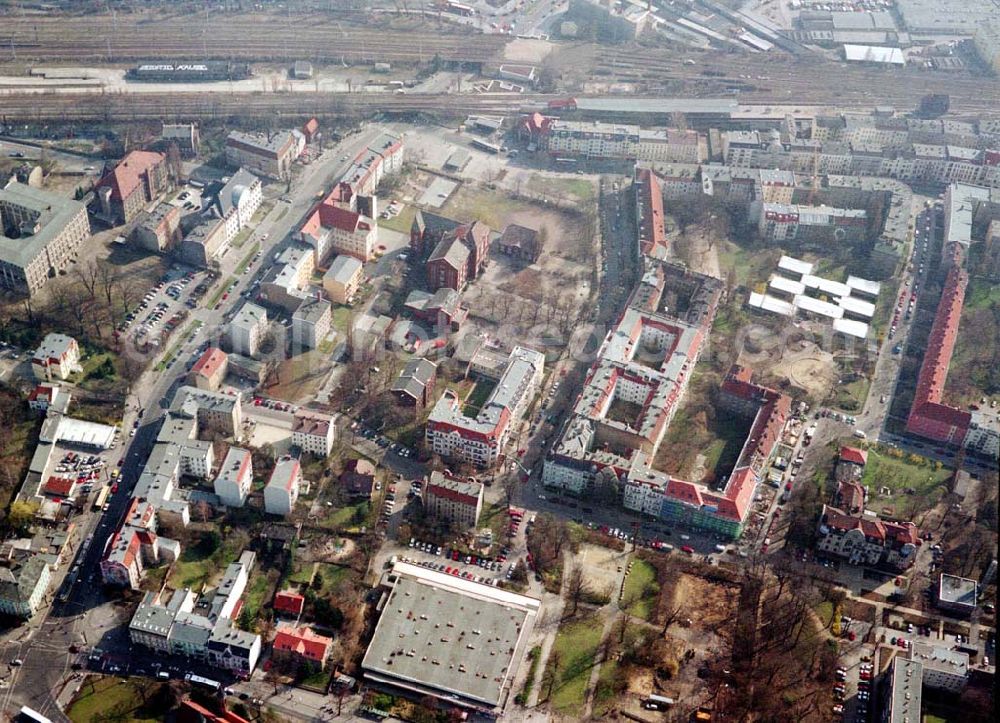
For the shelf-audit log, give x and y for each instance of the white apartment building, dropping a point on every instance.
(943, 668)
(282, 488)
(313, 431)
(232, 484)
(480, 440)
(56, 357)
(247, 328)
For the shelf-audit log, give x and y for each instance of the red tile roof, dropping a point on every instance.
(852, 496)
(42, 391)
(854, 455)
(929, 417)
(127, 175)
(60, 486)
(302, 641)
(209, 362)
(651, 231)
(289, 602)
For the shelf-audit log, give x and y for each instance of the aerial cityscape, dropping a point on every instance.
(499, 360)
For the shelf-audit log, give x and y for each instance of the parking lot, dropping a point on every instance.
(164, 307)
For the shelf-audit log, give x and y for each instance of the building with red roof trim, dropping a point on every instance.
(335, 226)
(134, 183)
(929, 416)
(209, 371)
(289, 603)
(636, 386)
(867, 540)
(452, 499)
(300, 644)
(649, 214)
(310, 130)
(60, 487)
(282, 489)
(853, 455)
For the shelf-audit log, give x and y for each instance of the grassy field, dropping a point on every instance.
(349, 518)
(913, 486)
(642, 589)
(401, 222)
(199, 563)
(749, 265)
(341, 319)
(576, 646)
(248, 257)
(257, 592)
(102, 699)
(490, 207)
(573, 189)
(189, 330)
(824, 611)
(220, 291)
(478, 396)
(851, 397)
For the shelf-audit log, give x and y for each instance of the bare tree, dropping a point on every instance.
(578, 588)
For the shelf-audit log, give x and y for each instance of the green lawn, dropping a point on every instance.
(256, 593)
(490, 207)
(824, 611)
(641, 587)
(188, 332)
(576, 645)
(749, 265)
(913, 486)
(102, 699)
(248, 257)
(572, 189)
(220, 291)
(401, 222)
(199, 563)
(340, 319)
(349, 517)
(478, 396)
(851, 397)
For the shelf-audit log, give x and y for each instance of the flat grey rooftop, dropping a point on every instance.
(452, 636)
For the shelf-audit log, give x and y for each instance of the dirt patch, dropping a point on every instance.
(523, 50)
(299, 378)
(600, 565)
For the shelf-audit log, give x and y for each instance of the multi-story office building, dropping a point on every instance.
(40, 235)
(268, 154)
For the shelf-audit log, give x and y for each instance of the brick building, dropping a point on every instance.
(139, 179)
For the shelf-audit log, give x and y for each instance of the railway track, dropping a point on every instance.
(178, 106)
(256, 37)
(786, 79)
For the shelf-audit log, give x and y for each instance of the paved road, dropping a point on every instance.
(88, 617)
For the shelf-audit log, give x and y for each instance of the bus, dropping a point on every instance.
(102, 498)
(485, 146)
(206, 682)
(29, 714)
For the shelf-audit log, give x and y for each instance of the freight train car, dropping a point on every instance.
(186, 72)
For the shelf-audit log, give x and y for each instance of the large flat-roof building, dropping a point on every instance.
(282, 489)
(269, 154)
(40, 235)
(343, 278)
(957, 594)
(903, 692)
(456, 640)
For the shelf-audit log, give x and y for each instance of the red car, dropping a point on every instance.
(688, 549)
(114, 488)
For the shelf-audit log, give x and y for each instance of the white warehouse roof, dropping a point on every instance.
(815, 306)
(833, 288)
(849, 327)
(874, 54)
(857, 306)
(769, 303)
(788, 263)
(787, 285)
(90, 434)
(871, 288)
